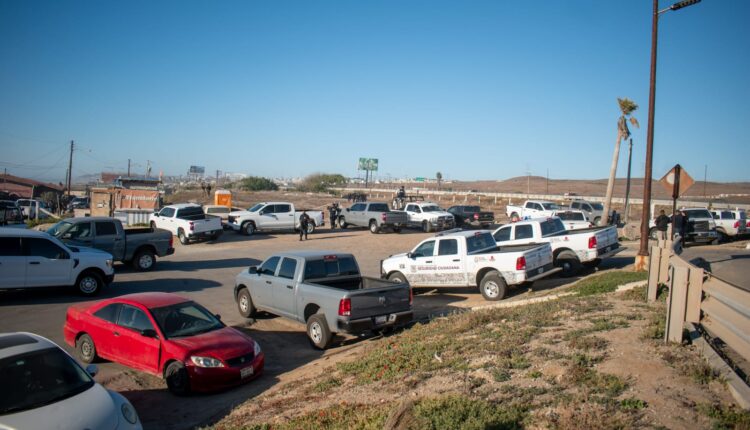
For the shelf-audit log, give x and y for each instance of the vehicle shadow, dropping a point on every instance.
(229, 237)
(196, 265)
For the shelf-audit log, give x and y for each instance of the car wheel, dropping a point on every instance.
(569, 263)
(181, 235)
(310, 227)
(720, 238)
(398, 277)
(144, 260)
(374, 227)
(318, 332)
(342, 222)
(245, 304)
(86, 349)
(493, 287)
(651, 233)
(248, 228)
(89, 283)
(596, 220)
(153, 225)
(177, 378)
(217, 234)
(397, 229)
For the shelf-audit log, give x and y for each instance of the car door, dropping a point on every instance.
(47, 263)
(165, 220)
(107, 239)
(262, 292)
(285, 219)
(422, 264)
(357, 214)
(12, 263)
(282, 288)
(132, 347)
(102, 327)
(502, 235)
(413, 213)
(449, 268)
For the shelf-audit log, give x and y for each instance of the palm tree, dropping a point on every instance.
(627, 107)
(439, 177)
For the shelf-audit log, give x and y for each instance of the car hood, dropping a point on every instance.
(395, 256)
(88, 250)
(91, 409)
(222, 344)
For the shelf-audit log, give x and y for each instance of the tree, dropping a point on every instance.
(439, 177)
(627, 107)
(321, 182)
(256, 183)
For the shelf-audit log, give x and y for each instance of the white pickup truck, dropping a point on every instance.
(729, 223)
(428, 216)
(570, 249)
(272, 216)
(531, 209)
(470, 259)
(573, 219)
(187, 221)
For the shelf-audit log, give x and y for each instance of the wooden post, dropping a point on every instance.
(694, 295)
(676, 304)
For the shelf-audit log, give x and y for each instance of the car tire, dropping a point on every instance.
(342, 222)
(89, 283)
(398, 277)
(569, 263)
(397, 229)
(245, 304)
(178, 380)
(493, 287)
(596, 220)
(144, 260)
(248, 228)
(651, 233)
(85, 349)
(374, 227)
(217, 234)
(721, 237)
(153, 225)
(318, 332)
(181, 236)
(310, 227)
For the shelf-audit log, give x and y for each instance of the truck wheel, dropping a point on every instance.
(398, 277)
(245, 304)
(374, 227)
(144, 260)
(181, 235)
(153, 225)
(397, 229)
(651, 233)
(426, 227)
(597, 219)
(248, 228)
(318, 332)
(86, 349)
(178, 380)
(310, 227)
(342, 222)
(217, 234)
(514, 217)
(493, 287)
(720, 237)
(569, 263)
(89, 283)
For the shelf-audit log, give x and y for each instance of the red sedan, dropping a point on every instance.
(165, 335)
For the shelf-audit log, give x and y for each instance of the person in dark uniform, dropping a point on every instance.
(333, 211)
(304, 220)
(679, 225)
(662, 223)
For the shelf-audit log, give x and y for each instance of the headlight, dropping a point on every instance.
(206, 362)
(257, 349)
(109, 262)
(129, 413)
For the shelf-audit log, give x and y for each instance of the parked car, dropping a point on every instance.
(573, 219)
(470, 259)
(472, 216)
(701, 227)
(593, 210)
(428, 216)
(136, 246)
(79, 203)
(44, 387)
(30, 259)
(10, 214)
(729, 224)
(375, 216)
(531, 209)
(273, 216)
(29, 208)
(165, 335)
(324, 290)
(571, 249)
(188, 222)
(220, 211)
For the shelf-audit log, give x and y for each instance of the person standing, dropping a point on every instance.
(333, 211)
(304, 220)
(678, 231)
(662, 224)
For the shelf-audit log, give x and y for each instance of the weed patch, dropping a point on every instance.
(724, 417)
(588, 343)
(607, 282)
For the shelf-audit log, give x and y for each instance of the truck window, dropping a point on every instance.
(551, 226)
(379, 207)
(479, 242)
(358, 207)
(79, 231)
(575, 205)
(727, 215)
(448, 247)
(413, 208)
(530, 205)
(287, 269)
(502, 235)
(588, 208)
(697, 213)
(10, 247)
(425, 250)
(341, 266)
(550, 206)
(471, 209)
(38, 247)
(269, 266)
(282, 209)
(167, 212)
(538, 207)
(524, 232)
(190, 213)
(597, 206)
(105, 228)
(108, 313)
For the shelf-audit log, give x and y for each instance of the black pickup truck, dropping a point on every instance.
(472, 216)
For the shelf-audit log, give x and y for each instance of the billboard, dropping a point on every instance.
(370, 164)
(196, 170)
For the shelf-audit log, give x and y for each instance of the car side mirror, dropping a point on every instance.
(149, 332)
(67, 236)
(410, 255)
(347, 209)
(218, 317)
(92, 370)
(252, 269)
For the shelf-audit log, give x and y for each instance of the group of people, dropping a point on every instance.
(304, 220)
(679, 227)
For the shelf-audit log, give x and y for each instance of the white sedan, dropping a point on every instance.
(51, 390)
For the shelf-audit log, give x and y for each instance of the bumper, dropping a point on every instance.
(217, 378)
(108, 279)
(204, 234)
(609, 251)
(441, 225)
(366, 325)
(541, 272)
(702, 236)
(170, 251)
(233, 226)
(70, 335)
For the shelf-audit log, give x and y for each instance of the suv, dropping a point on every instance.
(729, 223)
(701, 226)
(593, 210)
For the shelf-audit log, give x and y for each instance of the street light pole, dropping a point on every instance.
(642, 257)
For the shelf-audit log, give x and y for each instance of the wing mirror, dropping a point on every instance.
(218, 317)
(149, 332)
(92, 370)
(253, 269)
(410, 255)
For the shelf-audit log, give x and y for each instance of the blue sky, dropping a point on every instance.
(474, 89)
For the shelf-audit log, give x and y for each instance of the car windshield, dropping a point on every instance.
(551, 226)
(570, 216)
(58, 229)
(471, 209)
(431, 209)
(336, 266)
(256, 208)
(698, 213)
(40, 378)
(550, 206)
(597, 206)
(185, 319)
(742, 215)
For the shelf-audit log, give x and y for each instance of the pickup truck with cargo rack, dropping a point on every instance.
(428, 216)
(325, 291)
(136, 246)
(187, 221)
(729, 223)
(470, 259)
(472, 216)
(573, 219)
(375, 216)
(571, 250)
(272, 216)
(531, 209)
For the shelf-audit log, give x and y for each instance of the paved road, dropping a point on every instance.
(729, 262)
(205, 273)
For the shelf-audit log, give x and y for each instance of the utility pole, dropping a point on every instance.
(547, 195)
(217, 178)
(70, 167)
(627, 186)
(705, 176)
(128, 167)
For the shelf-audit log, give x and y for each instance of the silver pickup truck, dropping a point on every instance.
(324, 290)
(138, 246)
(375, 216)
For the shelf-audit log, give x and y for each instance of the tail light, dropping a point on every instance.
(382, 216)
(592, 242)
(345, 307)
(476, 216)
(521, 263)
(736, 224)
(171, 241)
(411, 296)
(192, 226)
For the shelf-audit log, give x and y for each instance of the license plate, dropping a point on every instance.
(381, 319)
(248, 371)
(541, 270)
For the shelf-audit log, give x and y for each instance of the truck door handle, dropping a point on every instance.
(290, 287)
(268, 282)
(33, 262)
(457, 260)
(428, 261)
(116, 334)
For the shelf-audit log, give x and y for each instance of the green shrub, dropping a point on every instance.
(256, 183)
(607, 282)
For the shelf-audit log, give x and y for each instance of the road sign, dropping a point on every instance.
(419, 179)
(679, 175)
(370, 164)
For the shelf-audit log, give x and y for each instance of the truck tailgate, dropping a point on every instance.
(380, 301)
(606, 237)
(203, 225)
(539, 256)
(396, 217)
